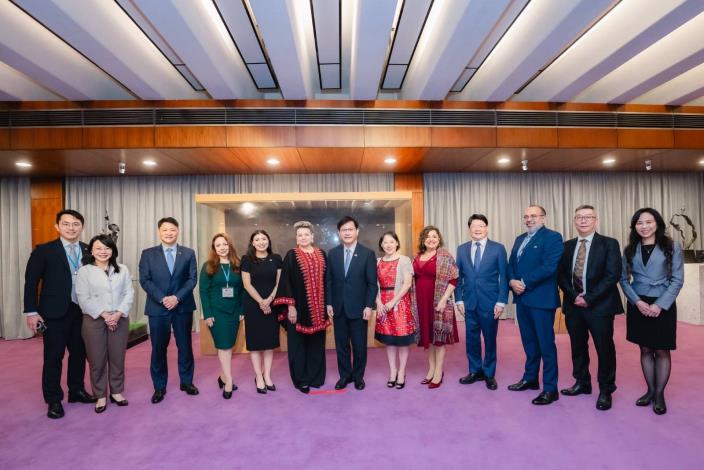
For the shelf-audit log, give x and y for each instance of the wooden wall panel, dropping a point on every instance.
(190, 136)
(47, 199)
(46, 138)
(260, 136)
(463, 136)
(397, 136)
(327, 136)
(689, 139)
(4, 139)
(645, 138)
(587, 138)
(118, 137)
(413, 182)
(526, 137)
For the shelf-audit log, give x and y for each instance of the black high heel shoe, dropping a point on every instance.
(227, 395)
(392, 383)
(400, 385)
(100, 409)
(659, 406)
(122, 402)
(221, 384)
(271, 388)
(259, 390)
(645, 400)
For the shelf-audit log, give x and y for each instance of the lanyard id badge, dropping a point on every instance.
(227, 292)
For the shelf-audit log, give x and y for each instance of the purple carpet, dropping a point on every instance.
(455, 426)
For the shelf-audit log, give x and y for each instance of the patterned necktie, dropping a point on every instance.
(477, 256)
(73, 256)
(170, 259)
(578, 271)
(523, 245)
(348, 258)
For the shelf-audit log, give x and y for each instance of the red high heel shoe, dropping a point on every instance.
(432, 385)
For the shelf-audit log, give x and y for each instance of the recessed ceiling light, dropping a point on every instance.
(608, 161)
(149, 163)
(701, 162)
(503, 161)
(389, 160)
(23, 164)
(273, 161)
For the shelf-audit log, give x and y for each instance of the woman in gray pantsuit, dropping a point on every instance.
(105, 295)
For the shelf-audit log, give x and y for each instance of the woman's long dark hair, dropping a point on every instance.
(213, 263)
(251, 251)
(108, 242)
(661, 239)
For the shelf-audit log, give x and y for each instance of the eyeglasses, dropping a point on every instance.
(69, 224)
(580, 218)
(533, 216)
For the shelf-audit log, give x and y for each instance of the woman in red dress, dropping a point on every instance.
(436, 277)
(396, 312)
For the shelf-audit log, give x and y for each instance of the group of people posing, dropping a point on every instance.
(86, 295)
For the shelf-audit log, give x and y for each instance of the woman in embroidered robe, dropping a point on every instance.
(301, 300)
(436, 275)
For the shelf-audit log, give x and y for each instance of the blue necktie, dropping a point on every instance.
(75, 263)
(523, 245)
(348, 258)
(477, 256)
(170, 259)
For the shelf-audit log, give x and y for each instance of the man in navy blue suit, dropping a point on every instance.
(532, 272)
(482, 293)
(351, 282)
(168, 274)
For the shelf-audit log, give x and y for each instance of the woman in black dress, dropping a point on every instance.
(653, 274)
(261, 270)
(301, 299)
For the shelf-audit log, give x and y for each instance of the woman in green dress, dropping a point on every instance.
(221, 292)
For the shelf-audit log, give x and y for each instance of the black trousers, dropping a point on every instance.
(350, 331)
(61, 334)
(306, 357)
(160, 335)
(580, 324)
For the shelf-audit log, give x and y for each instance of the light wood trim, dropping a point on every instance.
(282, 197)
(387, 136)
(526, 137)
(645, 138)
(463, 136)
(46, 138)
(644, 108)
(118, 137)
(330, 136)
(587, 138)
(261, 136)
(190, 136)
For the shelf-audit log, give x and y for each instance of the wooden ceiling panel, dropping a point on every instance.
(490, 161)
(208, 160)
(255, 159)
(452, 159)
(332, 159)
(408, 160)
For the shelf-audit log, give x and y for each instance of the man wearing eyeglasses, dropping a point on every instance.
(532, 273)
(588, 274)
(55, 311)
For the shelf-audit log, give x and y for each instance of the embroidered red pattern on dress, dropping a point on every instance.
(313, 268)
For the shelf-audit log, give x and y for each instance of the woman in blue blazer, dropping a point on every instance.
(653, 274)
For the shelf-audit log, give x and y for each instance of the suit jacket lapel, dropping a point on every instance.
(61, 253)
(593, 252)
(353, 255)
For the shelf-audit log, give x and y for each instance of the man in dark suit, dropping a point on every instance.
(532, 270)
(55, 265)
(482, 293)
(351, 282)
(588, 274)
(168, 274)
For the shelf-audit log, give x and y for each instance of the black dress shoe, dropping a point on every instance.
(55, 411)
(523, 385)
(491, 383)
(603, 403)
(545, 398)
(226, 394)
(158, 396)
(577, 389)
(305, 389)
(645, 400)
(81, 396)
(259, 390)
(191, 389)
(472, 377)
(122, 402)
(659, 406)
(342, 383)
(359, 384)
